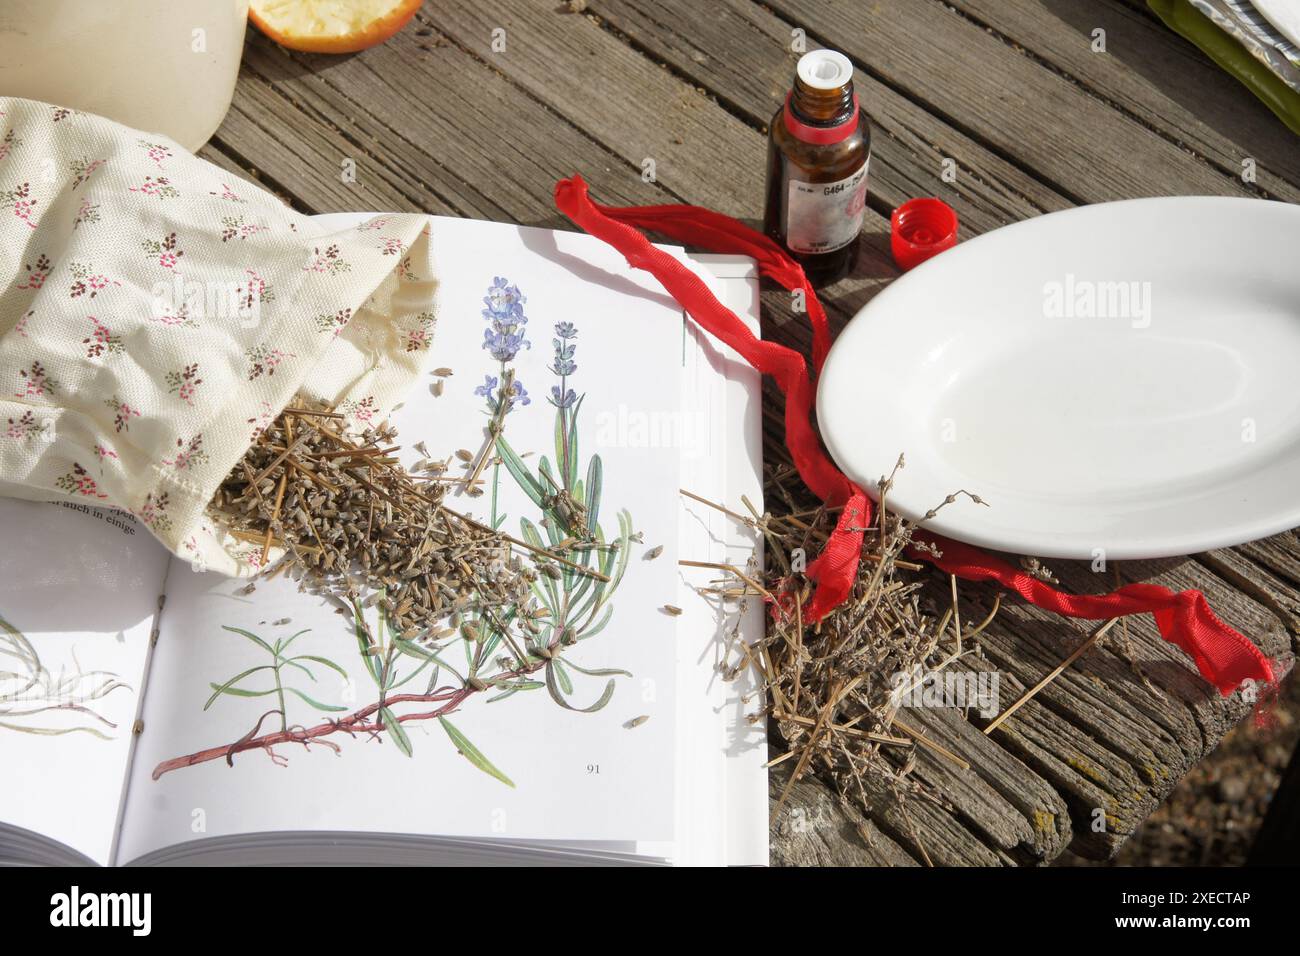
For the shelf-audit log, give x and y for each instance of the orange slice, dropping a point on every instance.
(331, 26)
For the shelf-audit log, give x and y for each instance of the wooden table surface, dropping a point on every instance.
(476, 109)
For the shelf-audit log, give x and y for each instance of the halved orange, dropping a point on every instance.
(331, 26)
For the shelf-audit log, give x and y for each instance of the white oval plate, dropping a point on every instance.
(1284, 15)
(1122, 378)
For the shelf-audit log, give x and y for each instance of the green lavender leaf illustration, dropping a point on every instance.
(553, 686)
(320, 660)
(560, 434)
(229, 686)
(251, 636)
(519, 471)
(394, 728)
(369, 653)
(599, 671)
(472, 753)
(515, 687)
(562, 677)
(233, 687)
(599, 626)
(425, 655)
(573, 442)
(333, 708)
(595, 477)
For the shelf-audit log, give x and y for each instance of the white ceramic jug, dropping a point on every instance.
(162, 66)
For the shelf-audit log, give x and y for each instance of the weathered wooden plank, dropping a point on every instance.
(742, 54)
(816, 829)
(1253, 579)
(1111, 743)
(303, 156)
(637, 110)
(1106, 797)
(1280, 554)
(1081, 146)
(240, 171)
(927, 824)
(1103, 694)
(1149, 71)
(467, 145)
(561, 59)
(999, 796)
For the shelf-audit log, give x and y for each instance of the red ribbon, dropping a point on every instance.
(1223, 656)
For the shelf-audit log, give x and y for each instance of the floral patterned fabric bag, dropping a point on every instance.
(157, 312)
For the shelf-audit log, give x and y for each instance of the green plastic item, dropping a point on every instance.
(1184, 19)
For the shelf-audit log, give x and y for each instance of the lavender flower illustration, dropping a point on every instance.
(490, 388)
(564, 399)
(503, 338)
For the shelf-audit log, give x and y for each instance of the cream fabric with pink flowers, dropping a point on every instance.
(157, 312)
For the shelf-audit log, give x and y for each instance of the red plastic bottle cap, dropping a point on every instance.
(921, 228)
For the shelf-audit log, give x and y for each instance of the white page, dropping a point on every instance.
(746, 740)
(578, 776)
(79, 591)
(722, 796)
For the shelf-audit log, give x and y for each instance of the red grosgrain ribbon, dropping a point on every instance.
(1224, 657)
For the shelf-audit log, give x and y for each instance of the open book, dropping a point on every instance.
(126, 674)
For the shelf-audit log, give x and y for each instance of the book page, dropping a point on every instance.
(582, 751)
(722, 797)
(79, 588)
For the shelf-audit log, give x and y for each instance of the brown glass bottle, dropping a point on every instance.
(819, 148)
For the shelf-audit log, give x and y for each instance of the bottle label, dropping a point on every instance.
(823, 217)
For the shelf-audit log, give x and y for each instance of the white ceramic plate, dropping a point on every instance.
(1122, 377)
(1283, 14)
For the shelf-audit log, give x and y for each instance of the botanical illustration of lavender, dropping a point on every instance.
(576, 603)
(563, 398)
(530, 644)
(503, 339)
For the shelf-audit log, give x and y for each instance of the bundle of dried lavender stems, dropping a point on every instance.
(356, 526)
(831, 690)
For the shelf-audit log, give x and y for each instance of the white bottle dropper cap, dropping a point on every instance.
(824, 69)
